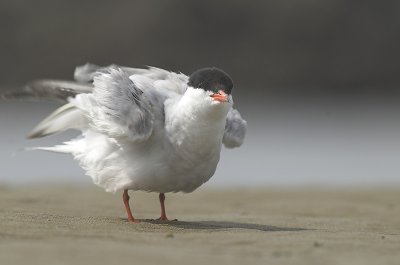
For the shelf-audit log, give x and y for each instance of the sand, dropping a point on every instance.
(72, 225)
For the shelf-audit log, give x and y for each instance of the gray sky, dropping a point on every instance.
(330, 45)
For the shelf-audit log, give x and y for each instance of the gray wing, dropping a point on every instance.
(235, 129)
(117, 107)
(176, 82)
(87, 72)
(47, 89)
(61, 90)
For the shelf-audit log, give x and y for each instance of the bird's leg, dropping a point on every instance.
(125, 198)
(163, 216)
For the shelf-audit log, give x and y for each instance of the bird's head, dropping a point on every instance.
(216, 83)
(202, 110)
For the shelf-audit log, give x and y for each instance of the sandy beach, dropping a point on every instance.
(72, 225)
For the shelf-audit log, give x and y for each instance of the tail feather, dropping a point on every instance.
(64, 118)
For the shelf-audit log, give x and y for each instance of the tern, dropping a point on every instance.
(142, 129)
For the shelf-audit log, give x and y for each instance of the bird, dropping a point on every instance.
(142, 129)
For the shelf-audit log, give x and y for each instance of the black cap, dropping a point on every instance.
(211, 79)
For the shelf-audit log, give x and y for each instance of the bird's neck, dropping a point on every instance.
(196, 130)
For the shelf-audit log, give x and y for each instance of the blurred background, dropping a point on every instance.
(317, 81)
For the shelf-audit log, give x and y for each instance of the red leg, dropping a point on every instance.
(125, 198)
(163, 214)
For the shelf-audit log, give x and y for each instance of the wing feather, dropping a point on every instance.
(117, 107)
(235, 129)
(162, 79)
(64, 118)
(47, 89)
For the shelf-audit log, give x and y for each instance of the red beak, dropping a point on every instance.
(221, 96)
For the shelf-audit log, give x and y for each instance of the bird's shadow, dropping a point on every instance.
(209, 225)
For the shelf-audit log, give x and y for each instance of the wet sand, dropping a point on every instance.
(72, 225)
